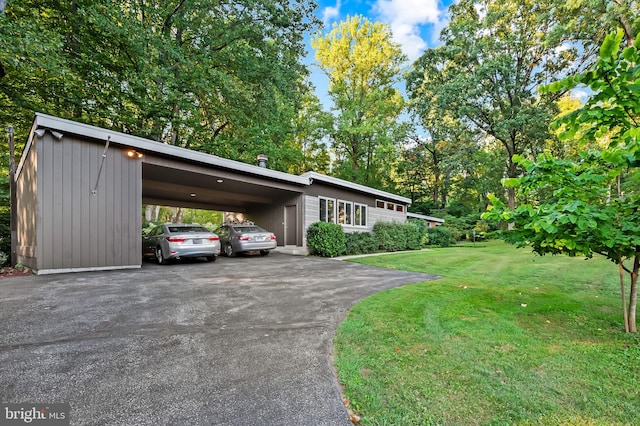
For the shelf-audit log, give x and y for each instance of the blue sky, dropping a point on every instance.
(415, 25)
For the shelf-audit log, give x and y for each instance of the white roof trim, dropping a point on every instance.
(421, 216)
(141, 144)
(355, 186)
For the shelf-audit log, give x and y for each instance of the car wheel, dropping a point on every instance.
(264, 252)
(160, 256)
(228, 250)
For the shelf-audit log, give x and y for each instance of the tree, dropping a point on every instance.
(587, 22)
(220, 77)
(494, 57)
(591, 206)
(312, 124)
(363, 65)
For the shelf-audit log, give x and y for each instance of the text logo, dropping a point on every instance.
(34, 414)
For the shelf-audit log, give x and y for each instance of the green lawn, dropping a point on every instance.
(506, 338)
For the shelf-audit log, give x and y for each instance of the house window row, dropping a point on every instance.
(343, 212)
(381, 204)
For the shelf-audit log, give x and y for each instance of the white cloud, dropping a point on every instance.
(330, 13)
(406, 18)
(581, 95)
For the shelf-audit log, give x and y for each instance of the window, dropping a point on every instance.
(345, 209)
(399, 208)
(380, 204)
(327, 210)
(360, 215)
(391, 206)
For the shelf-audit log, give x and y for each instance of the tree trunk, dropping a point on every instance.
(633, 294)
(148, 212)
(622, 294)
(176, 217)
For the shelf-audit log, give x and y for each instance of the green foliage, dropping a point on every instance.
(440, 236)
(363, 65)
(220, 77)
(395, 236)
(326, 239)
(494, 54)
(329, 239)
(5, 236)
(579, 208)
(467, 227)
(360, 243)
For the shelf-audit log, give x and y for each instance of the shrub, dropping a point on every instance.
(326, 239)
(395, 236)
(419, 237)
(5, 235)
(360, 243)
(440, 236)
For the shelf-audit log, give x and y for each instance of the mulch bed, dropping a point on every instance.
(14, 272)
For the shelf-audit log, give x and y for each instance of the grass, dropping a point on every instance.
(506, 338)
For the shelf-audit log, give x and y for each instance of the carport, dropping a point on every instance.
(80, 191)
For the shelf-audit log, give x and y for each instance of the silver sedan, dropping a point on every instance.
(244, 237)
(180, 240)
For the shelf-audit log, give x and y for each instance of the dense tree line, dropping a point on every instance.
(228, 78)
(223, 77)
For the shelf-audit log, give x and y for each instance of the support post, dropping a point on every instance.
(12, 197)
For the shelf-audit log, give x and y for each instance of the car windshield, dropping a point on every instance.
(248, 229)
(189, 229)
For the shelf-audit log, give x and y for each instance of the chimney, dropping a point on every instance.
(262, 160)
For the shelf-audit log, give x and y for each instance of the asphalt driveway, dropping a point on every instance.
(242, 341)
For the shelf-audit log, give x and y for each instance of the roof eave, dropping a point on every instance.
(356, 187)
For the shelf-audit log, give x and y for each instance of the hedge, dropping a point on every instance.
(329, 239)
(326, 239)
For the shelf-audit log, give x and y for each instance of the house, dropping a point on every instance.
(430, 220)
(80, 191)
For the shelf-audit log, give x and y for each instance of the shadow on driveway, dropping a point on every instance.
(242, 341)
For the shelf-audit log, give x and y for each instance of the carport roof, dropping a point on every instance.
(148, 146)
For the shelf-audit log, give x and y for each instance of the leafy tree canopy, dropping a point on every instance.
(221, 77)
(363, 65)
(590, 206)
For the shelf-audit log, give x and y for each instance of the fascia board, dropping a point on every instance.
(26, 150)
(355, 186)
(421, 216)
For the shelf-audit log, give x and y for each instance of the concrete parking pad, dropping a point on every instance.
(242, 341)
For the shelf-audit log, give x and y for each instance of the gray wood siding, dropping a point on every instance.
(374, 214)
(82, 230)
(272, 217)
(27, 212)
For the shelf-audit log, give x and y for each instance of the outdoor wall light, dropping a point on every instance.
(40, 133)
(220, 180)
(56, 135)
(132, 153)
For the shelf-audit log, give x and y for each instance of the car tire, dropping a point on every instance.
(264, 252)
(228, 250)
(160, 257)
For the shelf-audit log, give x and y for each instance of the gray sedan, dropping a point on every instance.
(244, 237)
(180, 240)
